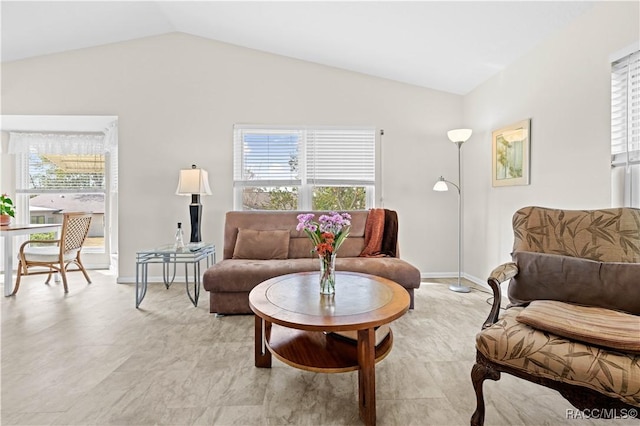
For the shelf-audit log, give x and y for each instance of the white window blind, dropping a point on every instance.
(341, 156)
(625, 130)
(625, 110)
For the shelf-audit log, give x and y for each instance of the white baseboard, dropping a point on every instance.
(423, 275)
(475, 280)
(152, 279)
(95, 266)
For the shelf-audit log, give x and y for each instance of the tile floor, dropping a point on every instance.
(91, 358)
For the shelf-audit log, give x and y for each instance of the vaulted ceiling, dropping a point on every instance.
(446, 45)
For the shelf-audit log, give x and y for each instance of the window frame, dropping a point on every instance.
(625, 129)
(24, 193)
(24, 144)
(304, 183)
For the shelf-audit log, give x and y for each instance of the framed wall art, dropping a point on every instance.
(510, 154)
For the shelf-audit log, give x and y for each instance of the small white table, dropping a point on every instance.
(169, 256)
(8, 232)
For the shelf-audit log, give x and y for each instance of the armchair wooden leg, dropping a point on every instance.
(17, 286)
(63, 273)
(84, 271)
(479, 373)
(49, 276)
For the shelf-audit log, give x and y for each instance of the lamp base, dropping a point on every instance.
(459, 288)
(195, 211)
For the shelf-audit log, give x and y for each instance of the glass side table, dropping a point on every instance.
(169, 257)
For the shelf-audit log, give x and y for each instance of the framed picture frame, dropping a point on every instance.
(510, 154)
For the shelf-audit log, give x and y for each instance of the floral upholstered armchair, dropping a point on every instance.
(573, 323)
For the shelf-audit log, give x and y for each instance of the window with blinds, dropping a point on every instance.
(625, 130)
(298, 168)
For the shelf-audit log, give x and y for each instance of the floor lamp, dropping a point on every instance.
(457, 136)
(194, 182)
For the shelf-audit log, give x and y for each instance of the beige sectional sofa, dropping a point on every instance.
(259, 245)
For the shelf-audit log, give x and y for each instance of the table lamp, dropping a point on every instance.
(194, 182)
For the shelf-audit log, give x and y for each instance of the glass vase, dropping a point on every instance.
(328, 274)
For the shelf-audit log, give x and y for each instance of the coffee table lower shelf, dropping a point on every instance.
(319, 352)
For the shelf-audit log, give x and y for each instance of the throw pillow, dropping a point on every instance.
(598, 326)
(261, 245)
(571, 279)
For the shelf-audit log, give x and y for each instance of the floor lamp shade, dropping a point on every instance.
(441, 185)
(194, 182)
(459, 135)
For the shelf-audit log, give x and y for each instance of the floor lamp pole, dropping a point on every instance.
(459, 287)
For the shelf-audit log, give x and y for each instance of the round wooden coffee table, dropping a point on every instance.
(294, 323)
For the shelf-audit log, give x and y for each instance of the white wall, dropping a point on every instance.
(177, 98)
(564, 87)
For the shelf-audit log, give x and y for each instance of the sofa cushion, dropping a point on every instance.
(575, 280)
(48, 253)
(242, 275)
(391, 268)
(598, 326)
(539, 353)
(255, 244)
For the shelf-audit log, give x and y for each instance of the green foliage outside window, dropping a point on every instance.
(339, 198)
(256, 198)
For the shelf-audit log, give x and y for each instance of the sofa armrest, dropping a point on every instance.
(500, 274)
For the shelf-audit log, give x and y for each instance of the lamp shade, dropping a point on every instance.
(193, 181)
(459, 135)
(441, 185)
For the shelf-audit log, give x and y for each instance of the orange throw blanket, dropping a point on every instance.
(373, 234)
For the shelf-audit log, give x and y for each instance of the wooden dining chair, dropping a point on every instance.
(56, 255)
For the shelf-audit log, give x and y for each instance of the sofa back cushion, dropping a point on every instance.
(606, 235)
(300, 245)
(542, 276)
